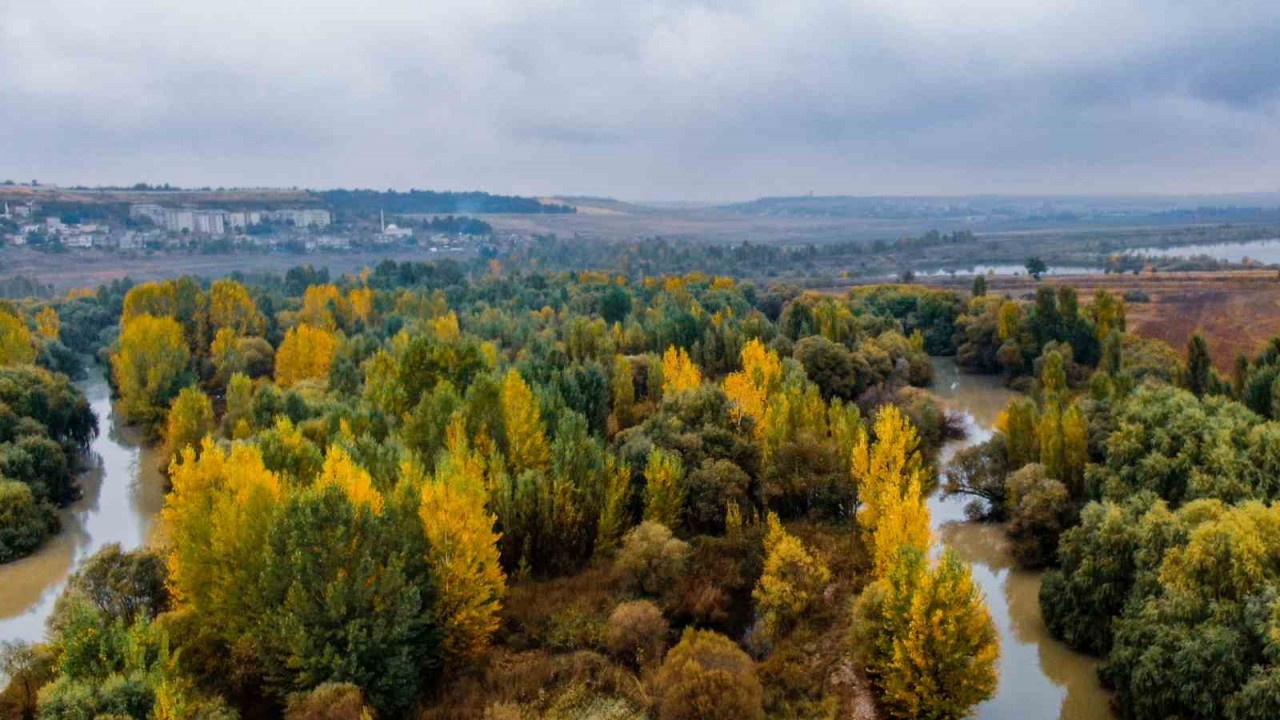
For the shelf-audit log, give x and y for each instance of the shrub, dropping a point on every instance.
(652, 559)
(637, 632)
(328, 701)
(707, 677)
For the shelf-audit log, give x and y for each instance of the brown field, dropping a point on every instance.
(90, 268)
(1236, 312)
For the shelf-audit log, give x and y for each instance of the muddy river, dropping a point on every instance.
(1040, 678)
(123, 492)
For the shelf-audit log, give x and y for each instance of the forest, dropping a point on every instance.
(496, 491)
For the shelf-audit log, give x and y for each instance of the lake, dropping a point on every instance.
(1259, 251)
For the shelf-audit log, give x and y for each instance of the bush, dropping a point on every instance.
(329, 701)
(637, 632)
(24, 521)
(707, 677)
(1041, 510)
(652, 559)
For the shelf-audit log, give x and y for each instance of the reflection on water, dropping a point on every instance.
(122, 494)
(1039, 676)
(1262, 251)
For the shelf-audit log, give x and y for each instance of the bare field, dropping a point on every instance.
(90, 268)
(1236, 312)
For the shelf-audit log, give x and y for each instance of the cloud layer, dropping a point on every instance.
(714, 100)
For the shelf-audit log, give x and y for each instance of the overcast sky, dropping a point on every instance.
(646, 100)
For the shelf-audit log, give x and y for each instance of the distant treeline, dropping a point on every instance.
(653, 256)
(427, 201)
(20, 286)
(457, 224)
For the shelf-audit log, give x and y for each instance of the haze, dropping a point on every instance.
(661, 100)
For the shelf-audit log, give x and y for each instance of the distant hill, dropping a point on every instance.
(1029, 208)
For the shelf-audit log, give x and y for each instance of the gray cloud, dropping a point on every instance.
(664, 99)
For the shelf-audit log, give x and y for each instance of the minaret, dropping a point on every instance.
(382, 218)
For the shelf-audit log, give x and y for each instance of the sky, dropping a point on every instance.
(661, 100)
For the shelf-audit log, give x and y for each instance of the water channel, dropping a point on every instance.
(122, 494)
(1040, 678)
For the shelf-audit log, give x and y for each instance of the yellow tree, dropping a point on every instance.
(16, 347)
(664, 490)
(319, 302)
(936, 649)
(361, 302)
(1019, 425)
(150, 366)
(1075, 449)
(463, 548)
(750, 388)
(48, 325)
(342, 472)
(679, 373)
(1009, 320)
(527, 446)
(153, 298)
(190, 420)
(890, 479)
(236, 422)
(218, 515)
(306, 353)
(231, 308)
(792, 581)
(445, 327)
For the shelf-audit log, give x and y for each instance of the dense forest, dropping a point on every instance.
(448, 490)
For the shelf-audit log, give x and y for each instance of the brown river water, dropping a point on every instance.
(123, 491)
(1040, 678)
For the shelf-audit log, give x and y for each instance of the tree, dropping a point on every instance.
(624, 393)
(190, 420)
(664, 488)
(48, 325)
(652, 559)
(706, 677)
(890, 476)
(637, 633)
(25, 520)
(1199, 366)
(933, 648)
(231, 308)
(1036, 267)
(527, 447)
(150, 367)
(306, 353)
(1075, 449)
(121, 585)
(462, 550)
(26, 668)
(679, 373)
(750, 388)
(16, 347)
(979, 286)
(792, 581)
